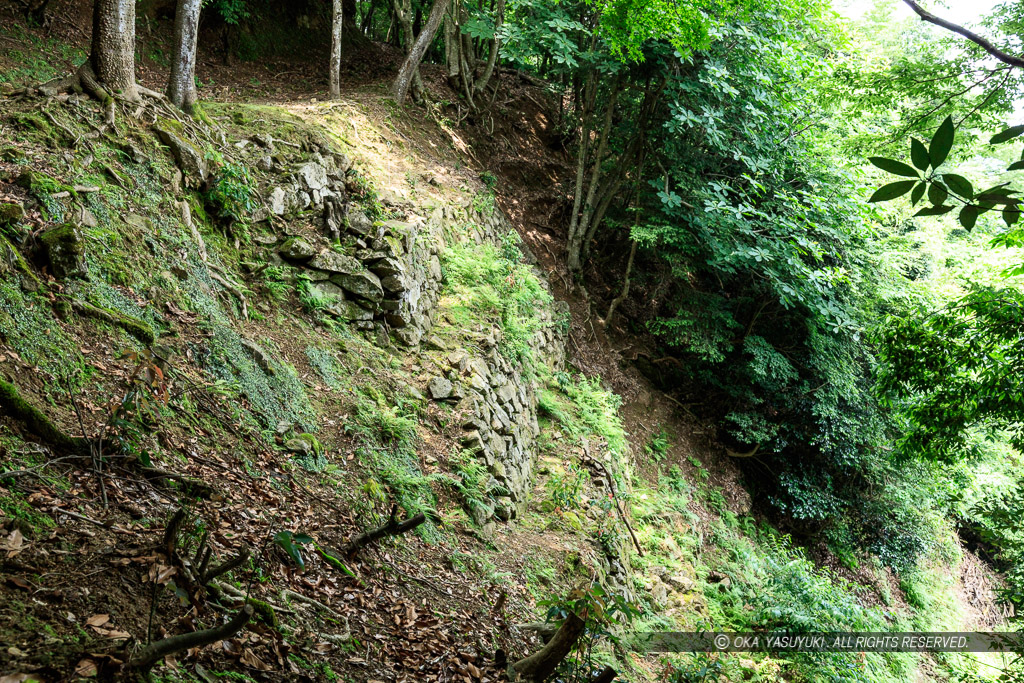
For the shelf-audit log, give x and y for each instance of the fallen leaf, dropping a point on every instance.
(97, 620)
(86, 668)
(252, 661)
(19, 583)
(13, 544)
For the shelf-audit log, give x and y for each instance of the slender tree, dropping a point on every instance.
(336, 32)
(410, 67)
(181, 87)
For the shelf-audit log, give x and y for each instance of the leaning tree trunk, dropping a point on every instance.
(412, 61)
(336, 31)
(181, 88)
(113, 46)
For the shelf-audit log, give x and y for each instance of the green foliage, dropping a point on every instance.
(566, 488)
(276, 282)
(591, 411)
(658, 446)
(387, 438)
(485, 285)
(291, 543)
(954, 369)
(231, 193)
(327, 366)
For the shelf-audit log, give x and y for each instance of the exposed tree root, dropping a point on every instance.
(133, 326)
(542, 663)
(392, 528)
(14, 405)
(153, 653)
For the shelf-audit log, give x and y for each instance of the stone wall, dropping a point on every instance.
(387, 277)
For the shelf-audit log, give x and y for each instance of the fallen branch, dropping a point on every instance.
(206, 577)
(133, 326)
(607, 675)
(195, 487)
(154, 652)
(392, 528)
(542, 663)
(76, 515)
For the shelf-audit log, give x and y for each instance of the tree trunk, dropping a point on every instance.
(113, 46)
(492, 59)
(452, 50)
(368, 19)
(337, 23)
(181, 88)
(578, 240)
(411, 64)
(573, 241)
(625, 285)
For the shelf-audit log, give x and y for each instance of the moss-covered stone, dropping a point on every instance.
(11, 213)
(64, 248)
(20, 409)
(12, 260)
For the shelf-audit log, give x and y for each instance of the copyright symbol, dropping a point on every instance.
(721, 641)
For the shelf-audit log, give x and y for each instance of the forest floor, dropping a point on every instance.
(85, 574)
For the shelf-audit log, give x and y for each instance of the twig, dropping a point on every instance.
(82, 517)
(31, 470)
(392, 528)
(223, 568)
(618, 503)
(151, 654)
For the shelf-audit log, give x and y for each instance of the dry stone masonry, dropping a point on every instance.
(387, 277)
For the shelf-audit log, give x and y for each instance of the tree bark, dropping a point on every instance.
(492, 59)
(578, 239)
(541, 664)
(412, 62)
(153, 653)
(113, 46)
(181, 87)
(337, 25)
(625, 285)
(1004, 57)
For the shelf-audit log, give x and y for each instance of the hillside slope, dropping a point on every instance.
(238, 344)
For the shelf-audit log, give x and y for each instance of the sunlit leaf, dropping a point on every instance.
(942, 142)
(934, 211)
(959, 185)
(968, 217)
(937, 193)
(892, 191)
(1008, 134)
(893, 166)
(285, 540)
(918, 192)
(919, 154)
